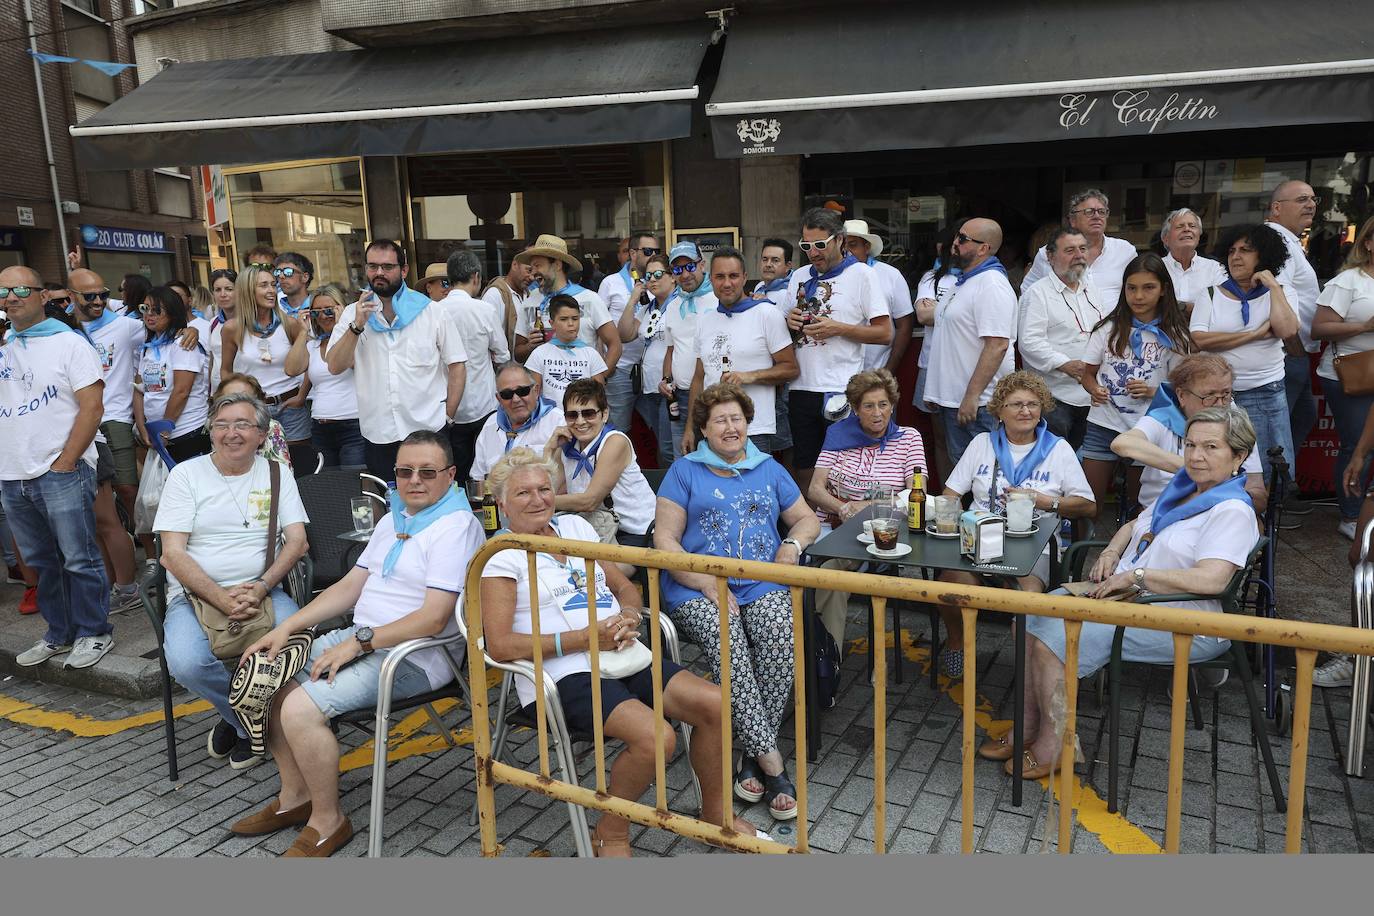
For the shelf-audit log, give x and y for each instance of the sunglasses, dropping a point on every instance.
(20, 292)
(649, 252)
(260, 265)
(64, 300)
(150, 309)
(101, 296)
(506, 394)
(960, 239)
(404, 473)
(440, 280)
(586, 413)
(685, 268)
(655, 275)
(818, 245)
(324, 312)
(284, 272)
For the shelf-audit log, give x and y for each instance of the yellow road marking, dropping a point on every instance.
(81, 726)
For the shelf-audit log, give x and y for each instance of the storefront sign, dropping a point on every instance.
(708, 241)
(24, 215)
(11, 240)
(1140, 108)
(216, 195)
(111, 238)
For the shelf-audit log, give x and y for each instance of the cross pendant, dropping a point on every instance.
(245, 523)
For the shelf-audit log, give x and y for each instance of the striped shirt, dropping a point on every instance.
(850, 473)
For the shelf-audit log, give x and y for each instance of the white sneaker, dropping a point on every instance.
(1347, 529)
(88, 650)
(1339, 671)
(40, 652)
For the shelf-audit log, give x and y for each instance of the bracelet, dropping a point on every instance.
(558, 644)
(355, 329)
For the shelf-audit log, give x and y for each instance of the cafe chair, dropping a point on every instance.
(326, 496)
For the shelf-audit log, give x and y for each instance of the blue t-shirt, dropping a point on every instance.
(729, 517)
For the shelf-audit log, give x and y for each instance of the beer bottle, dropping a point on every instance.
(490, 520)
(916, 502)
(674, 408)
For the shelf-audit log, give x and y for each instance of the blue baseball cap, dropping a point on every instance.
(684, 250)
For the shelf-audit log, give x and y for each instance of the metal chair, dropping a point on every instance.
(1362, 598)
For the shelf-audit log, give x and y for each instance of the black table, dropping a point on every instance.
(1020, 554)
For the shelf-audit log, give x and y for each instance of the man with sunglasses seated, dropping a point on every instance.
(618, 290)
(523, 417)
(294, 274)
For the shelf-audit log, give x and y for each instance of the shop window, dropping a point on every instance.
(90, 39)
(572, 219)
(173, 192)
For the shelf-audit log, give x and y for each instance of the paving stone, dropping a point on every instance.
(1007, 833)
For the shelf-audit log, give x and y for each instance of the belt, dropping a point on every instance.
(275, 400)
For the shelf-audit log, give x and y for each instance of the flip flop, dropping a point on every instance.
(749, 769)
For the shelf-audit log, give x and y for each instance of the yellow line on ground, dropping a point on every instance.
(1116, 833)
(25, 713)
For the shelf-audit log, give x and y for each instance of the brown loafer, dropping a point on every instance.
(1032, 768)
(270, 820)
(996, 748)
(309, 845)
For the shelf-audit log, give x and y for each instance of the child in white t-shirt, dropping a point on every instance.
(566, 358)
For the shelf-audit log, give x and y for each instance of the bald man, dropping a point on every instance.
(977, 322)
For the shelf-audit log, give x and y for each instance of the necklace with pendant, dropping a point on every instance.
(233, 498)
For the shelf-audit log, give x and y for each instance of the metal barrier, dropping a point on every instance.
(1307, 638)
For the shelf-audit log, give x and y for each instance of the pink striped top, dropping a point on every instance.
(851, 472)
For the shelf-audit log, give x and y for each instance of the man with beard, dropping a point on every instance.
(507, 295)
(1107, 257)
(1058, 313)
(408, 359)
(548, 257)
(1190, 272)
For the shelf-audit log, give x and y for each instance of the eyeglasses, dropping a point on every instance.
(284, 272)
(404, 473)
(1022, 406)
(1313, 199)
(101, 296)
(586, 413)
(818, 245)
(655, 275)
(649, 252)
(685, 268)
(1092, 211)
(323, 313)
(382, 268)
(20, 292)
(238, 426)
(1210, 400)
(960, 239)
(63, 300)
(150, 309)
(506, 394)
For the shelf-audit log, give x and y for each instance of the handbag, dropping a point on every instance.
(1355, 371)
(229, 638)
(621, 663)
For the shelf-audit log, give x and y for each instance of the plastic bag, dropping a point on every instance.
(149, 494)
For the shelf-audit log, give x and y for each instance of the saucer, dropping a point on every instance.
(865, 538)
(901, 551)
(1021, 534)
(930, 530)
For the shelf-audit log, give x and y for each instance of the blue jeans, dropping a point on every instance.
(53, 520)
(1349, 413)
(654, 409)
(958, 438)
(1302, 407)
(339, 441)
(620, 395)
(6, 540)
(1267, 406)
(189, 658)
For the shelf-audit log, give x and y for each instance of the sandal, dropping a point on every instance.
(610, 847)
(773, 786)
(749, 769)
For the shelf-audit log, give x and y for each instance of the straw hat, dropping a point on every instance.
(859, 228)
(550, 246)
(257, 680)
(436, 271)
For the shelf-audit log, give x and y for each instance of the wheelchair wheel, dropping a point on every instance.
(1283, 708)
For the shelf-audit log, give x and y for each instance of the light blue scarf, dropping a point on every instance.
(688, 305)
(752, 458)
(407, 304)
(1170, 506)
(569, 345)
(503, 421)
(157, 343)
(1138, 337)
(45, 328)
(105, 318)
(406, 528)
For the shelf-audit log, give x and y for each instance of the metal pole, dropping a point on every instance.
(47, 137)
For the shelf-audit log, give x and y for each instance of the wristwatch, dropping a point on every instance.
(1138, 575)
(795, 543)
(355, 329)
(1054, 505)
(364, 637)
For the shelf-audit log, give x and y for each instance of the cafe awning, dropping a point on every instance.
(887, 77)
(611, 86)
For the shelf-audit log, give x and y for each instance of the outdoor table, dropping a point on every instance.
(1019, 558)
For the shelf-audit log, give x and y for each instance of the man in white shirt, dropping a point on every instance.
(408, 360)
(1058, 314)
(1191, 273)
(977, 323)
(51, 394)
(622, 388)
(506, 295)
(695, 297)
(484, 343)
(837, 307)
(1292, 208)
(866, 246)
(550, 262)
(775, 267)
(523, 417)
(744, 341)
(1107, 257)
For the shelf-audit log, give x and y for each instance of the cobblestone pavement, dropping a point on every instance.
(82, 774)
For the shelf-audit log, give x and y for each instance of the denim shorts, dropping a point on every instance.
(295, 422)
(575, 693)
(355, 685)
(1097, 444)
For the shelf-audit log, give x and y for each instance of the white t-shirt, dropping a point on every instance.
(632, 497)
(38, 385)
(1191, 283)
(984, 306)
(1153, 480)
(890, 280)
(852, 297)
(264, 358)
(332, 397)
(1300, 285)
(1106, 272)
(1227, 532)
(1053, 329)
(492, 443)
(158, 374)
(1350, 294)
(1059, 474)
(214, 344)
(559, 368)
(492, 297)
(594, 315)
(563, 599)
(680, 333)
(202, 326)
(615, 294)
(1122, 411)
(117, 343)
(484, 341)
(1254, 364)
(653, 318)
(213, 509)
(779, 297)
(747, 340)
(927, 289)
(436, 557)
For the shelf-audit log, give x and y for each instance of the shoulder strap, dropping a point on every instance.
(274, 472)
(508, 297)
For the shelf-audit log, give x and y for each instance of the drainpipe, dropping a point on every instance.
(47, 138)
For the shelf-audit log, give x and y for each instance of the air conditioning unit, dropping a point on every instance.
(71, 206)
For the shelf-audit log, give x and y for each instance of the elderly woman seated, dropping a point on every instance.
(1192, 540)
(724, 500)
(1020, 456)
(213, 520)
(866, 449)
(523, 483)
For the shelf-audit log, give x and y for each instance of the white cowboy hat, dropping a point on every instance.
(859, 227)
(550, 246)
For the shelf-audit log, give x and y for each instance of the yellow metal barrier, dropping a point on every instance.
(1307, 638)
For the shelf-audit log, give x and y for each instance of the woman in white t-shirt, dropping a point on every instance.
(524, 486)
(1194, 539)
(333, 398)
(174, 382)
(1128, 354)
(1345, 316)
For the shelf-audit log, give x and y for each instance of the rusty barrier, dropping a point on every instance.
(1306, 638)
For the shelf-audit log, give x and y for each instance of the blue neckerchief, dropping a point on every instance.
(849, 433)
(407, 304)
(1017, 472)
(503, 422)
(809, 289)
(625, 276)
(1244, 297)
(155, 430)
(45, 328)
(406, 528)
(105, 318)
(273, 323)
(572, 289)
(197, 313)
(1165, 410)
(752, 458)
(740, 307)
(688, 305)
(990, 264)
(288, 308)
(157, 343)
(584, 458)
(569, 345)
(1138, 338)
(773, 286)
(1170, 506)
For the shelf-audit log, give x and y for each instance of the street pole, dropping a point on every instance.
(47, 137)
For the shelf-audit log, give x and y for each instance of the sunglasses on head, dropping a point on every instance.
(655, 275)
(261, 265)
(685, 269)
(101, 296)
(20, 292)
(586, 413)
(506, 394)
(819, 244)
(150, 309)
(284, 272)
(404, 473)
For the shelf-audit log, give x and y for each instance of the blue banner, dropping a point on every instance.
(114, 238)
